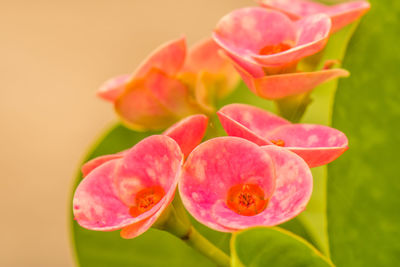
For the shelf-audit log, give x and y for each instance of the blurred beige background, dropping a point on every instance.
(53, 56)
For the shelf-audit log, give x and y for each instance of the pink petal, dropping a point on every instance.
(293, 190)
(295, 8)
(154, 102)
(341, 14)
(283, 85)
(96, 162)
(188, 132)
(170, 92)
(346, 13)
(96, 205)
(155, 160)
(316, 144)
(169, 58)
(246, 31)
(249, 122)
(214, 167)
(204, 56)
(112, 88)
(136, 229)
(313, 32)
(244, 67)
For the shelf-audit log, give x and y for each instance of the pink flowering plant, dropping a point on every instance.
(202, 155)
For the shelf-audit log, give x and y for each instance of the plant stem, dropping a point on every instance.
(293, 107)
(180, 209)
(205, 247)
(188, 234)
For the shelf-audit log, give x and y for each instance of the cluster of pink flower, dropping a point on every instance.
(260, 173)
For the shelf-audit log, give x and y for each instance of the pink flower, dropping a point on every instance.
(316, 144)
(170, 85)
(265, 46)
(188, 133)
(340, 14)
(131, 192)
(229, 183)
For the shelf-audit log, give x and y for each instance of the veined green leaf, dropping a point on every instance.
(262, 246)
(363, 185)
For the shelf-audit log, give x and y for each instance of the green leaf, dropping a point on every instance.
(153, 248)
(273, 247)
(363, 185)
(298, 227)
(320, 112)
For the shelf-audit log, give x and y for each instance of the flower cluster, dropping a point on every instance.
(235, 178)
(258, 175)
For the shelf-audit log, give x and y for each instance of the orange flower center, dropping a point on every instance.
(276, 48)
(246, 199)
(146, 199)
(278, 142)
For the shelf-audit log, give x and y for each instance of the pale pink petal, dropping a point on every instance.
(112, 88)
(96, 205)
(169, 58)
(313, 32)
(316, 144)
(154, 102)
(96, 162)
(249, 122)
(215, 166)
(188, 132)
(293, 190)
(341, 14)
(246, 31)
